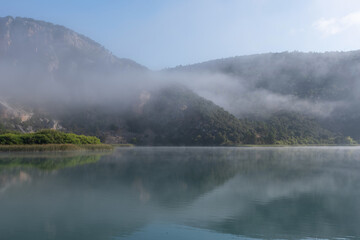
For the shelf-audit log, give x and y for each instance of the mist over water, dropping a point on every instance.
(52, 77)
(204, 193)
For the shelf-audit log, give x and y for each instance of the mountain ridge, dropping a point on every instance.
(91, 97)
(64, 80)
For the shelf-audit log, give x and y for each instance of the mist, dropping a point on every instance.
(243, 99)
(49, 70)
(120, 89)
(57, 66)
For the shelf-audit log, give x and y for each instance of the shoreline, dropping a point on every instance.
(55, 147)
(109, 147)
(242, 146)
(299, 145)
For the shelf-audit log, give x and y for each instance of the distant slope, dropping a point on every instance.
(56, 49)
(326, 76)
(172, 115)
(53, 77)
(79, 86)
(184, 118)
(324, 86)
(41, 63)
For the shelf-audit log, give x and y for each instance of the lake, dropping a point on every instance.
(182, 193)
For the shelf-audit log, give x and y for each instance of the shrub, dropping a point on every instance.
(10, 139)
(46, 137)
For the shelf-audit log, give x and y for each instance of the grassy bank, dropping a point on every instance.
(123, 145)
(54, 147)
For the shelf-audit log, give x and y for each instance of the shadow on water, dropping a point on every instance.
(269, 193)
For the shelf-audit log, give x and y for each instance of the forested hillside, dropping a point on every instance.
(53, 77)
(320, 87)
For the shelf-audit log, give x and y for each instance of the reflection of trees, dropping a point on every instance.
(170, 176)
(280, 193)
(307, 215)
(284, 193)
(47, 161)
(18, 168)
(121, 193)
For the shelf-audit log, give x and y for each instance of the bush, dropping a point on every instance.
(46, 137)
(10, 139)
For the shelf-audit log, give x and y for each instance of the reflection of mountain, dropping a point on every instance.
(275, 193)
(120, 193)
(295, 194)
(169, 177)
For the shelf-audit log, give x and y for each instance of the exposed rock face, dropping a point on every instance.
(37, 56)
(54, 49)
(7, 111)
(13, 117)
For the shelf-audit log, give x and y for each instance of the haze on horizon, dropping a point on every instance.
(160, 34)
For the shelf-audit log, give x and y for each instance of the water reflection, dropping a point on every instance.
(229, 192)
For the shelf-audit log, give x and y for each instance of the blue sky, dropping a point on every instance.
(166, 33)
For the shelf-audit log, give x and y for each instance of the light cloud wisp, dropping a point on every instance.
(332, 26)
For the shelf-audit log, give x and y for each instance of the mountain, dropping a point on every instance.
(52, 77)
(40, 61)
(54, 49)
(323, 87)
(173, 115)
(326, 76)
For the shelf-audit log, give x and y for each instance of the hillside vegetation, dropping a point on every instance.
(320, 90)
(46, 137)
(73, 84)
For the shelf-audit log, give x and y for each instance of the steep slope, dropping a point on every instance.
(326, 76)
(56, 49)
(52, 77)
(173, 115)
(184, 118)
(324, 87)
(40, 61)
(67, 81)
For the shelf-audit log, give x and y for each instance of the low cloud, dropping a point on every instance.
(242, 99)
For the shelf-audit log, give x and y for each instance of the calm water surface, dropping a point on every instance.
(182, 193)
